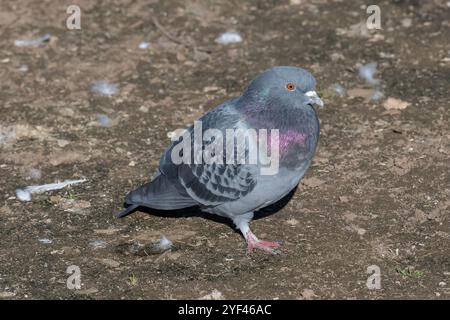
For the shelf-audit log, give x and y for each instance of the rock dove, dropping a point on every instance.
(281, 99)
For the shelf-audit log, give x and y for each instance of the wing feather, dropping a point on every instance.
(215, 183)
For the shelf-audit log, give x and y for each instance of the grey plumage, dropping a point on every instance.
(237, 190)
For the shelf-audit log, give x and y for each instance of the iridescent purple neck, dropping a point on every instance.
(289, 138)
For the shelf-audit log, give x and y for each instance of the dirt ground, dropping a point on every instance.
(376, 194)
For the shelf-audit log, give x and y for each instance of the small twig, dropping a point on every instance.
(215, 275)
(175, 39)
(167, 34)
(163, 255)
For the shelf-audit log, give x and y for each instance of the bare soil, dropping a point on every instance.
(376, 194)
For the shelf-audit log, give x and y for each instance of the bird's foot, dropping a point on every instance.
(254, 243)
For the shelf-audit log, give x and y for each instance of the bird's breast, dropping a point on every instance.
(291, 138)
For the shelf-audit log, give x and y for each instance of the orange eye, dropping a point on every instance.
(290, 86)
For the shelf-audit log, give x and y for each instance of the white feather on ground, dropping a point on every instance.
(25, 193)
(105, 88)
(229, 37)
(45, 241)
(104, 120)
(163, 244)
(339, 89)
(32, 42)
(143, 45)
(97, 244)
(367, 73)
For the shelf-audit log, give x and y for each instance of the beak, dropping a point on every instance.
(314, 98)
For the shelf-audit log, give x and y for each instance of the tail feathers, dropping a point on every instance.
(127, 211)
(158, 194)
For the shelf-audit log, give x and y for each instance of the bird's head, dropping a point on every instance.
(283, 87)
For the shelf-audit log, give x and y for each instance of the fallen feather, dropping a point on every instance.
(45, 241)
(377, 95)
(104, 120)
(32, 42)
(23, 68)
(143, 45)
(25, 193)
(105, 88)
(97, 244)
(7, 134)
(159, 247)
(339, 89)
(229, 37)
(163, 244)
(367, 73)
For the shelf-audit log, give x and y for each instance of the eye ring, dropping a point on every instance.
(290, 86)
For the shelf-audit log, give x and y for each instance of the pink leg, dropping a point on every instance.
(254, 243)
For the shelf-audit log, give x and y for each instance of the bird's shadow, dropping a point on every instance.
(197, 212)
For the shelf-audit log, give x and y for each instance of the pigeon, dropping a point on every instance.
(281, 101)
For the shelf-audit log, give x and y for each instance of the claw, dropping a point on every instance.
(254, 243)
